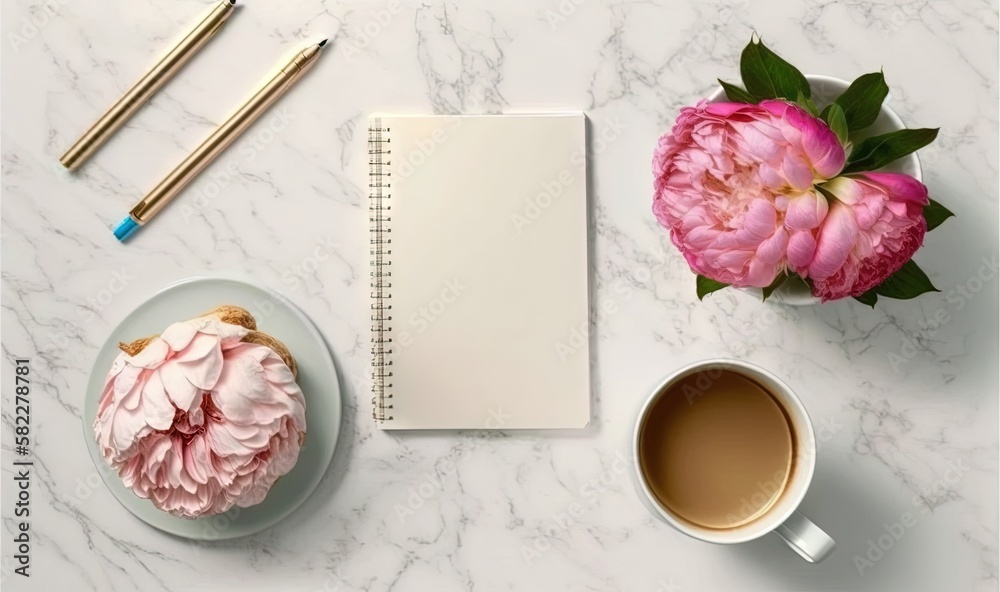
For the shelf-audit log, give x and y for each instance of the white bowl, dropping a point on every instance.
(824, 90)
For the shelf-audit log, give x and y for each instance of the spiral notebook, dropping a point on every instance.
(478, 232)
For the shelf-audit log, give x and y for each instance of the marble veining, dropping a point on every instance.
(904, 397)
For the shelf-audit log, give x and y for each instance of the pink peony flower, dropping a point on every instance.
(199, 421)
(874, 226)
(734, 184)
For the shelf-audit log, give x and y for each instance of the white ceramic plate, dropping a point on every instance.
(317, 378)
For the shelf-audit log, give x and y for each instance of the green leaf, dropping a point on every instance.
(825, 112)
(803, 284)
(935, 214)
(862, 101)
(909, 282)
(707, 285)
(869, 298)
(735, 93)
(774, 285)
(767, 76)
(834, 117)
(878, 151)
(806, 103)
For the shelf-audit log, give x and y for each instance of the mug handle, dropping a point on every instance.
(805, 538)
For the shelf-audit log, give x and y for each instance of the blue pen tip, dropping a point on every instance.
(126, 228)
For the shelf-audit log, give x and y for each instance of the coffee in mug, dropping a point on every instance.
(717, 449)
(725, 451)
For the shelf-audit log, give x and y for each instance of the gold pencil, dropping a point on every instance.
(130, 102)
(221, 138)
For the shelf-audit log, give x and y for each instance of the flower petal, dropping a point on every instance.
(806, 211)
(801, 248)
(158, 410)
(836, 238)
(900, 187)
(177, 386)
(772, 251)
(845, 189)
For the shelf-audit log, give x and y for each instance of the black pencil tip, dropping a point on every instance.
(232, 2)
(323, 42)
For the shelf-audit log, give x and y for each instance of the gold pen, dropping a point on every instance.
(220, 139)
(130, 102)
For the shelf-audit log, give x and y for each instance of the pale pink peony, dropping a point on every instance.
(734, 184)
(198, 421)
(874, 226)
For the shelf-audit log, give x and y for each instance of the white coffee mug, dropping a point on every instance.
(782, 517)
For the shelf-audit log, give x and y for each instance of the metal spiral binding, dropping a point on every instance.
(379, 217)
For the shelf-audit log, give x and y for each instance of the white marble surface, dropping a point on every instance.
(890, 426)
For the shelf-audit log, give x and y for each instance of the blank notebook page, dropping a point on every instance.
(484, 239)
